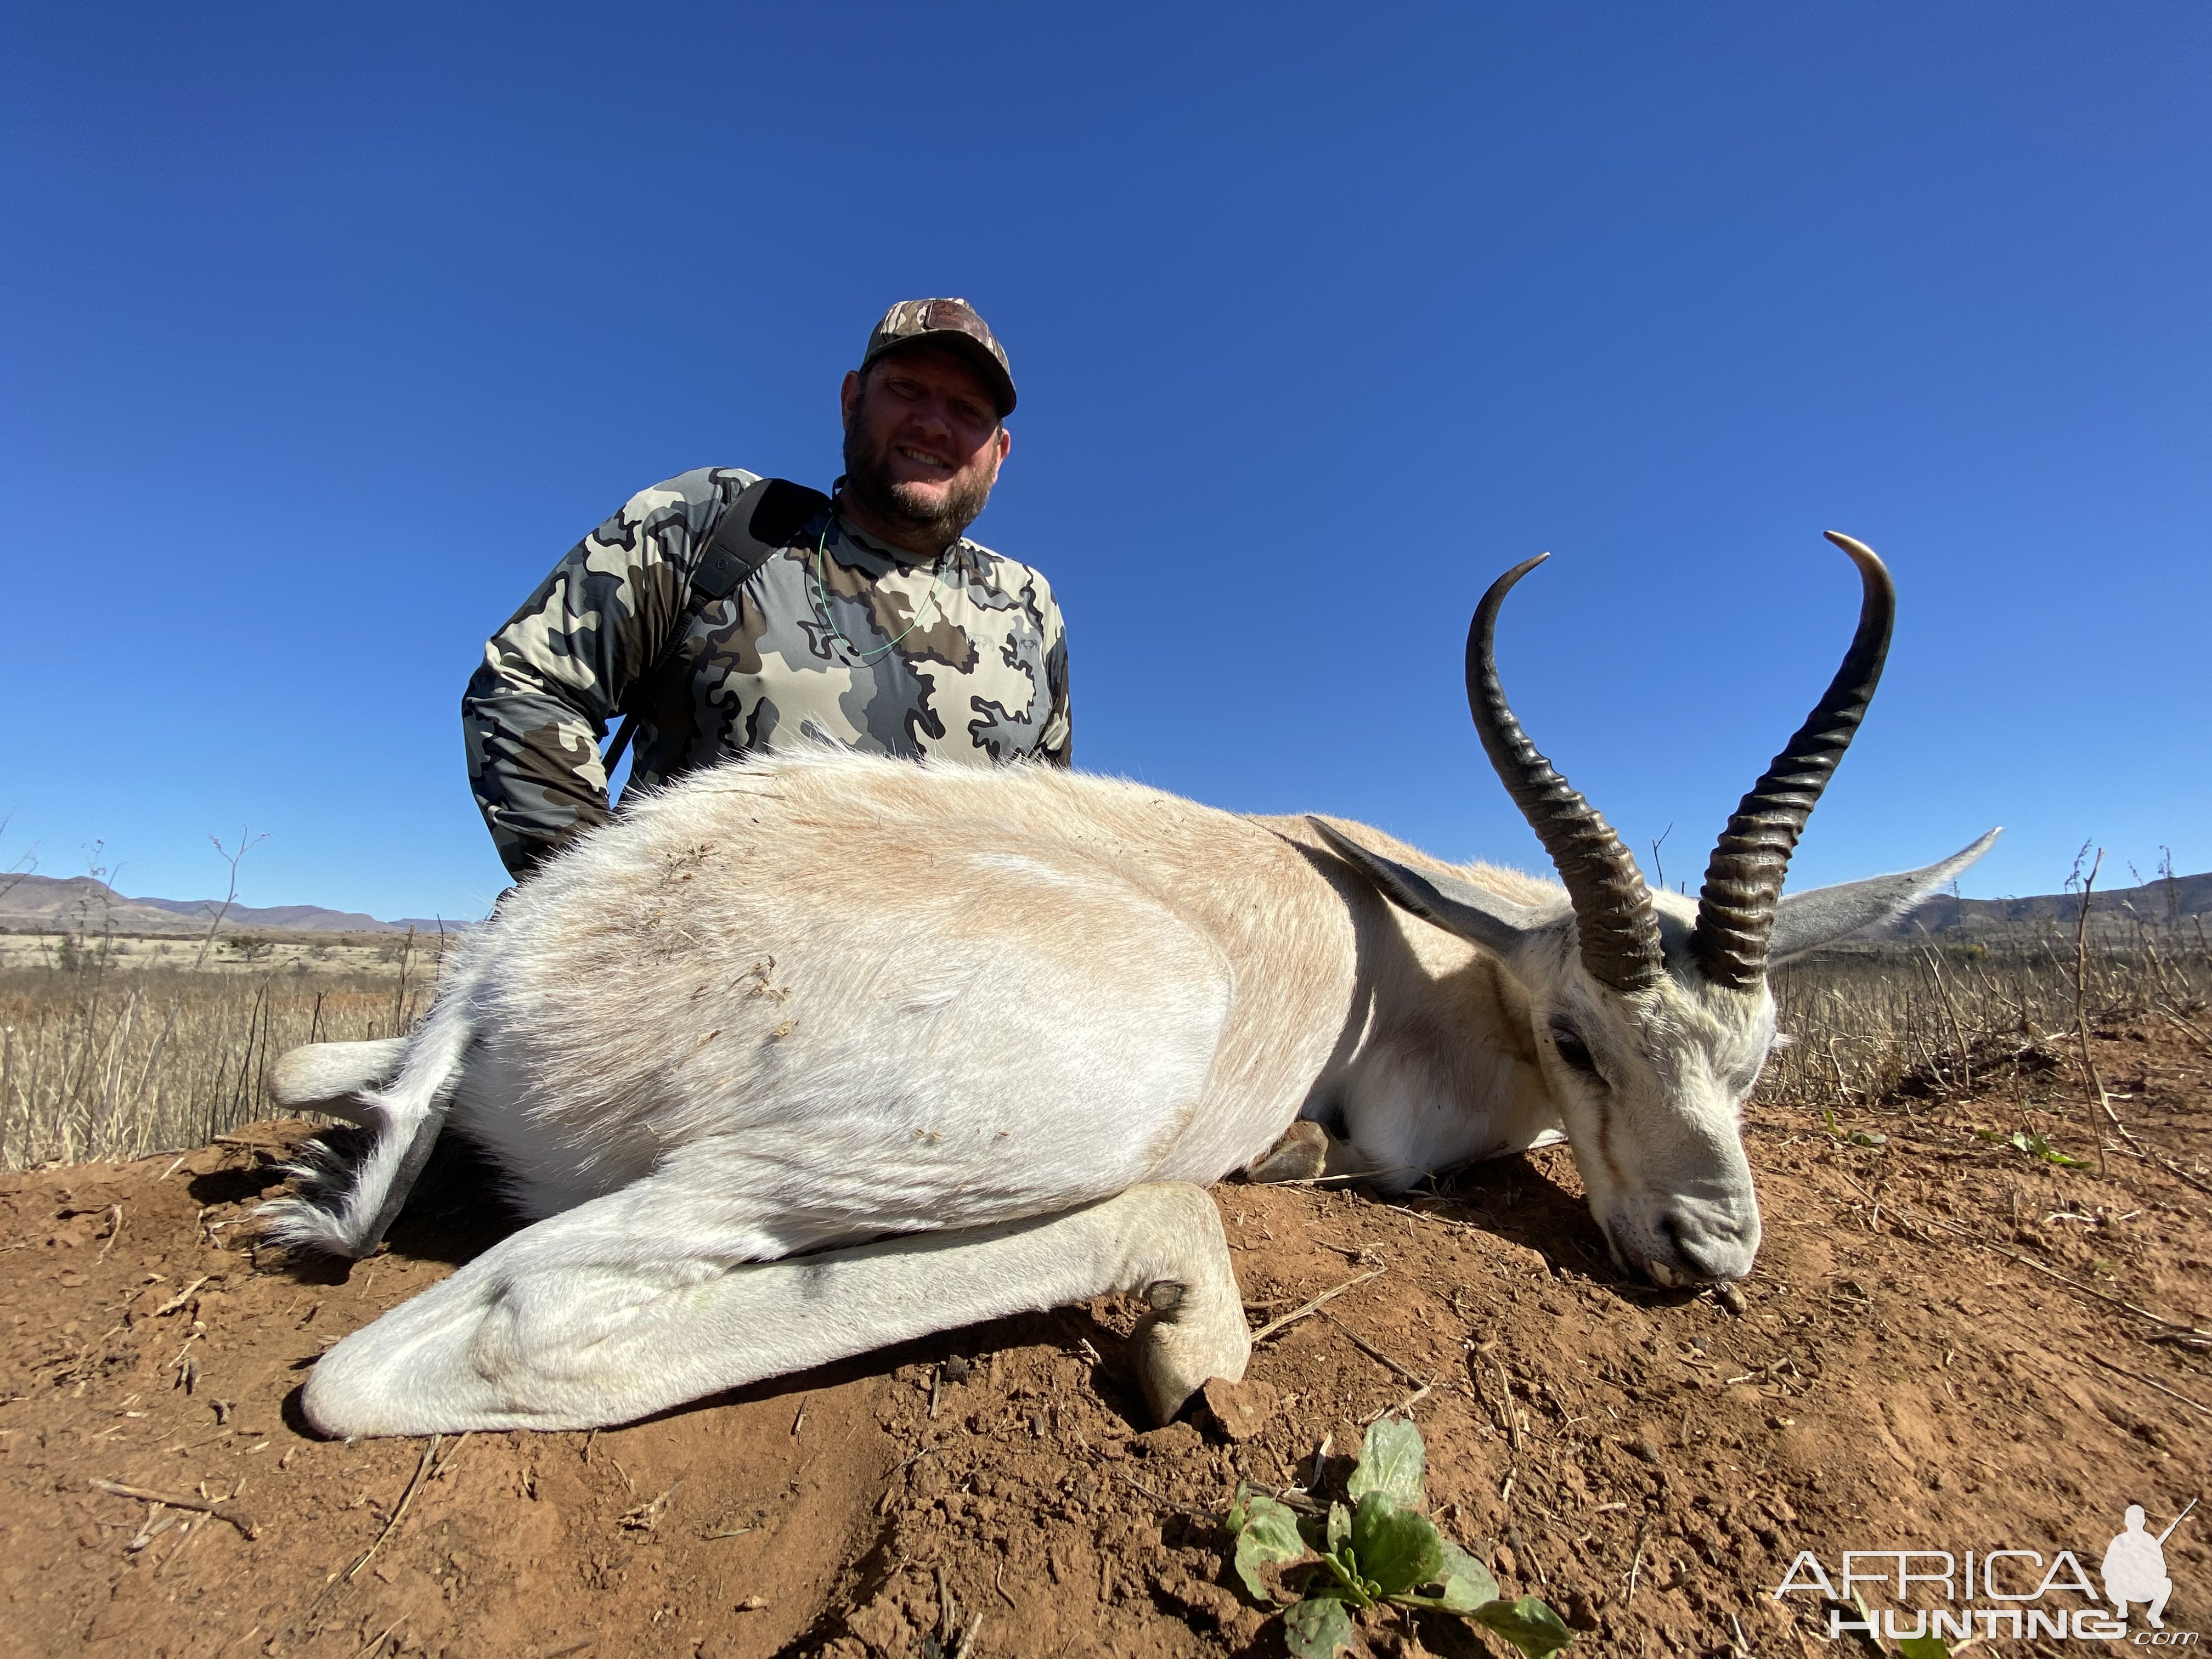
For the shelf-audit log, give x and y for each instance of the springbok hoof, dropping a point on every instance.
(1301, 1155)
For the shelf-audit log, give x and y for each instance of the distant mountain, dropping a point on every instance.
(75, 903)
(2158, 903)
(43, 903)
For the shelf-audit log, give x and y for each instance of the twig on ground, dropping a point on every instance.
(373, 1646)
(1401, 1407)
(1295, 1314)
(646, 1516)
(1372, 1351)
(1505, 1393)
(1165, 1503)
(422, 1474)
(1354, 1175)
(891, 1482)
(2188, 1025)
(2071, 1284)
(2180, 1174)
(446, 1461)
(219, 1508)
(1351, 1252)
(2152, 1382)
(337, 1581)
(968, 1641)
(182, 1296)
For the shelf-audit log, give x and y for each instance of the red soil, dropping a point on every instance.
(1934, 1352)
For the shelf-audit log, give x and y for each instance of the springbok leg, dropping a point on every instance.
(1308, 1151)
(568, 1325)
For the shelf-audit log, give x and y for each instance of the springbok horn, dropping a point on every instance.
(1743, 883)
(1613, 918)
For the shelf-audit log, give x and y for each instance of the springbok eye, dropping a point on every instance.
(1572, 1049)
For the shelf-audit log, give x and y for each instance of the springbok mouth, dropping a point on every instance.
(1690, 1264)
(1668, 1278)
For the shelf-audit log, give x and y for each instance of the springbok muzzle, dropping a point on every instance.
(1680, 1240)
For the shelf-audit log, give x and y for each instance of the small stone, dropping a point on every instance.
(1240, 1410)
(1644, 1449)
(1731, 1298)
(957, 1369)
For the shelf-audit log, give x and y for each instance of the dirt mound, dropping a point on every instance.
(1949, 1344)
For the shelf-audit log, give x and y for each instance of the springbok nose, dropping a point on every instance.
(1704, 1246)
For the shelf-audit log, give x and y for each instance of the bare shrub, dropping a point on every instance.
(1897, 1022)
(101, 1063)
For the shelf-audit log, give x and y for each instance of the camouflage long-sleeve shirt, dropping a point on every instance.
(963, 657)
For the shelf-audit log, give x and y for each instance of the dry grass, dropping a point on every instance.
(99, 1060)
(1879, 1024)
(104, 1061)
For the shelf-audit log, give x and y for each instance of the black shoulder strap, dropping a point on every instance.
(767, 517)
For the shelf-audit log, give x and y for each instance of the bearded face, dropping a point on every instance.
(922, 446)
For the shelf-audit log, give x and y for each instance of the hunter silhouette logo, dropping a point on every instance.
(2135, 1567)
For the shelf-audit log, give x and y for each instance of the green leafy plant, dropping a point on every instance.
(1856, 1138)
(2031, 1146)
(1374, 1548)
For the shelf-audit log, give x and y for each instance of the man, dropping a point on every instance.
(874, 622)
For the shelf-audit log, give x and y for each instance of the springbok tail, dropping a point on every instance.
(346, 1211)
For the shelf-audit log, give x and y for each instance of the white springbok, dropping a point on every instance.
(812, 1053)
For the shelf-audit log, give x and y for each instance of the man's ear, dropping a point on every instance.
(849, 397)
(1456, 906)
(1006, 442)
(1804, 921)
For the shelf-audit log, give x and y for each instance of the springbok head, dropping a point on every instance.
(1652, 1016)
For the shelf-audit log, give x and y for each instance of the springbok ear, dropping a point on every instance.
(1803, 921)
(1456, 906)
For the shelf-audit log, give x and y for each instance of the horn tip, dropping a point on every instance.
(1851, 544)
(1505, 583)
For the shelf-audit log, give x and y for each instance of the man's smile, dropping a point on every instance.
(926, 458)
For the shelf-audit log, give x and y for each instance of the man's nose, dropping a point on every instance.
(931, 416)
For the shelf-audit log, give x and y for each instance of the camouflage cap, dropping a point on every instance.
(953, 323)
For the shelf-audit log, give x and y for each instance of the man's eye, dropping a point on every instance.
(1572, 1050)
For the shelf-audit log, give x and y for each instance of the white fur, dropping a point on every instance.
(800, 1003)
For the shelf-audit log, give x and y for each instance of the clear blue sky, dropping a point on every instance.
(328, 328)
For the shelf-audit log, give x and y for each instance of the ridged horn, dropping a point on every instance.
(1613, 919)
(1743, 883)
